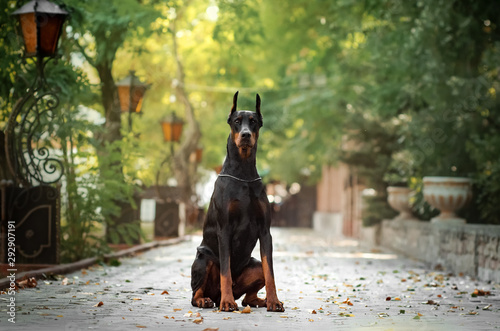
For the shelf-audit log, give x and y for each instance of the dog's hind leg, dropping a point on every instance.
(205, 282)
(249, 283)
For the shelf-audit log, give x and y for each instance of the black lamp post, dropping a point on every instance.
(30, 162)
(131, 93)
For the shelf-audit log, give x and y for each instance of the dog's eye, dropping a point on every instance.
(237, 121)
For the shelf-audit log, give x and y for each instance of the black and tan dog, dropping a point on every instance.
(238, 216)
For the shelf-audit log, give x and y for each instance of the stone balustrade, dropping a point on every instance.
(469, 249)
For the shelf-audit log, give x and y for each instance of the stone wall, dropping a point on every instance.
(470, 249)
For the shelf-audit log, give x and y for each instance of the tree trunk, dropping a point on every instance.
(109, 95)
(183, 171)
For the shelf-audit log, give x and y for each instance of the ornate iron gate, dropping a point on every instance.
(31, 205)
(34, 213)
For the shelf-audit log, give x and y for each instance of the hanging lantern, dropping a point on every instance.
(199, 154)
(131, 93)
(196, 155)
(172, 128)
(41, 25)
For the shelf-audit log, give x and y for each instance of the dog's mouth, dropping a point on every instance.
(244, 145)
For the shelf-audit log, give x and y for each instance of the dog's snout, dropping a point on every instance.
(246, 134)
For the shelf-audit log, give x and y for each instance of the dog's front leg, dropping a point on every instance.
(266, 253)
(227, 302)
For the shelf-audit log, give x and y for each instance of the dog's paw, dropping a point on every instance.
(275, 305)
(203, 303)
(228, 305)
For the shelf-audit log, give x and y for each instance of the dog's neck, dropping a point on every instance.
(235, 165)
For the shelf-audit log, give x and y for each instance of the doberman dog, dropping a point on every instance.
(238, 215)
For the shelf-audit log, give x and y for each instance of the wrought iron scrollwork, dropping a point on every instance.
(30, 134)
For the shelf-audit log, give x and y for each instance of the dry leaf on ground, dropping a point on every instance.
(247, 310)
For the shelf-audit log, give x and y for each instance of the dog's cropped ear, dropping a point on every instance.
(257, 108)
(233, 108)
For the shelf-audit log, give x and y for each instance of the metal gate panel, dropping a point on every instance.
(167, 219)
(35, 213)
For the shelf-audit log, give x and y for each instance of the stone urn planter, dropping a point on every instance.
(399, 200)
(448, 194)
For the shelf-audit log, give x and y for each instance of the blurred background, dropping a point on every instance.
(356, 96)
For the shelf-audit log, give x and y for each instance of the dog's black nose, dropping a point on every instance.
(245, 134)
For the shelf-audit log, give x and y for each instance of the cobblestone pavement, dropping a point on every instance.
(325, 284)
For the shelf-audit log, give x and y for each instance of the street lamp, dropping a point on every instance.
(172, 131)
(131, 93)
(197, 155)
(172, 128)
(41, 24)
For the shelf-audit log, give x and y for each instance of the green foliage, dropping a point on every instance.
(92, 191)
(376, 210)
(434, 70)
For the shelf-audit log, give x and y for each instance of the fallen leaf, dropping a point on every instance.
(313, 312)
(198, 320)
(140, 326)
(64, 281)
(211, 329)
(347, 302)
(177, 309)
(164, 292)
(246, 310)
(28, 282)
(226, 318)
(388, 299)
(480, 293)
(59, 315)
(346, 315)
(136, 299)
(99, 304)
